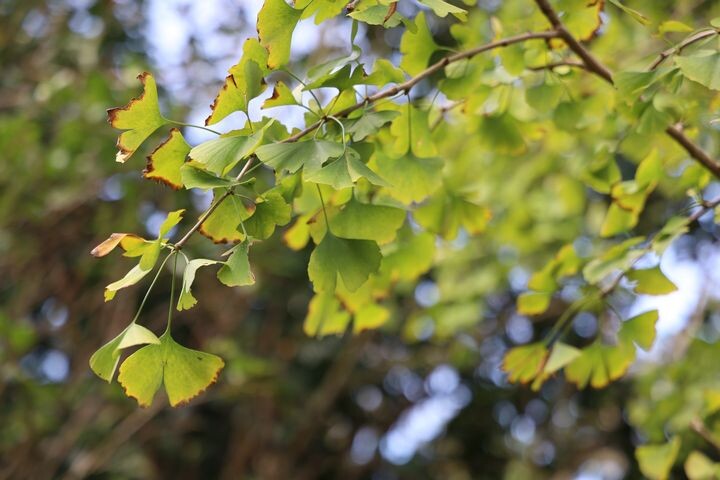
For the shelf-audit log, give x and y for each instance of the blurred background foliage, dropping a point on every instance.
(421, 398)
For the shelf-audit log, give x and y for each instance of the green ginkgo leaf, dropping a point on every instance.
(235, 272)
(369, 123)
(275, 25)
(600, 364)
(185, 373)
(417, 47)
(325, 316)
(442, 8)
(104, 361)
(533, 303)
(281, 96)
(186, 299)
(244, 82)
(651, 281)
(271, 210)
(364, 221)
(193, 176)
(291, 157)
(413, 179)
(345, 171)
(222, 226)
(221, 154)
(640, 330)
(656, 461)
(321, 9)
(351, 260)
(165, 161)
(139, 118)
(702, 67)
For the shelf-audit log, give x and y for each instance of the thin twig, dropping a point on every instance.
(696, 37)
(698, 426)
(596, 67)
(389, 92)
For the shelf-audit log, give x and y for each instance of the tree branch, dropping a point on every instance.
(595, 66)
(389, 92)
(679, 48)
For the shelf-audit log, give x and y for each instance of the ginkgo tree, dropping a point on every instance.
(505, 131)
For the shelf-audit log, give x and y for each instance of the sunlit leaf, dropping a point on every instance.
(185, 373)
(104, 361)
(139, 118)
(165, 161)
(656, 461)
(524, 363)
(651, 281)
(275, 24)
(417, 47)
(702, 67)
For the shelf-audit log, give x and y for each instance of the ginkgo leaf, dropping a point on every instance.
(370, 317)
(164, 163)
(290, 157)
(384, 72)
(195, 177)
(281, 96)
(640, 330)
(186, 299)
(413, 179)
(139, 118)
(533, 303)
(524, 363)
(221, 154)
(342, 79)
(222, 225)
(172, 219)
(235, 272)
(244, 82)
(136, 274)
(363, 221)
(600, 364)
(321, 9)
(345, 171)
(656, 461)
(275, 24)
(271, 210)
(413, 256)
(104, 361)
(651, 281)
(186, 373)
(700, 467)
(702, 67)
(378, 15)
(442, 8)
(618, 257)
(444, 213)
(412, 132)
(369, 123)
(126, 241)
(417, 47)
(325, 316)
(351, 260)
(560, 356)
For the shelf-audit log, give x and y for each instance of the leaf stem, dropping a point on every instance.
(172, 295)
(322, 202)
(183, 124)
(150, 287)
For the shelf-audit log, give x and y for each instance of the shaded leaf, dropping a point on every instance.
(235, 272)
(290, 157)
(352, 260)
(104, 361)
(186, 300)
(363, 221)
(702, 67)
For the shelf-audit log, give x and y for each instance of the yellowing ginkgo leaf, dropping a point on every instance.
(325, 316)
(165, 161)
(651, 281)
(222, 226)
(656, 461)
(139, 118)
(125, 240)
(600, 364)
(104, 361)
(524, 363)
(186, 373)
(275, 24)
(244, 82)
(417, 47)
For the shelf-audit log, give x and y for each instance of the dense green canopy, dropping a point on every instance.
(443, 239)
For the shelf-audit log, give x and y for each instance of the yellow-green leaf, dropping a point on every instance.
(524, 363)
(139, 118)
(656, 461)
(186, 299)
(275, 24)
(651, 281)
(351, 260)
(104, 361)
(165, 161)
